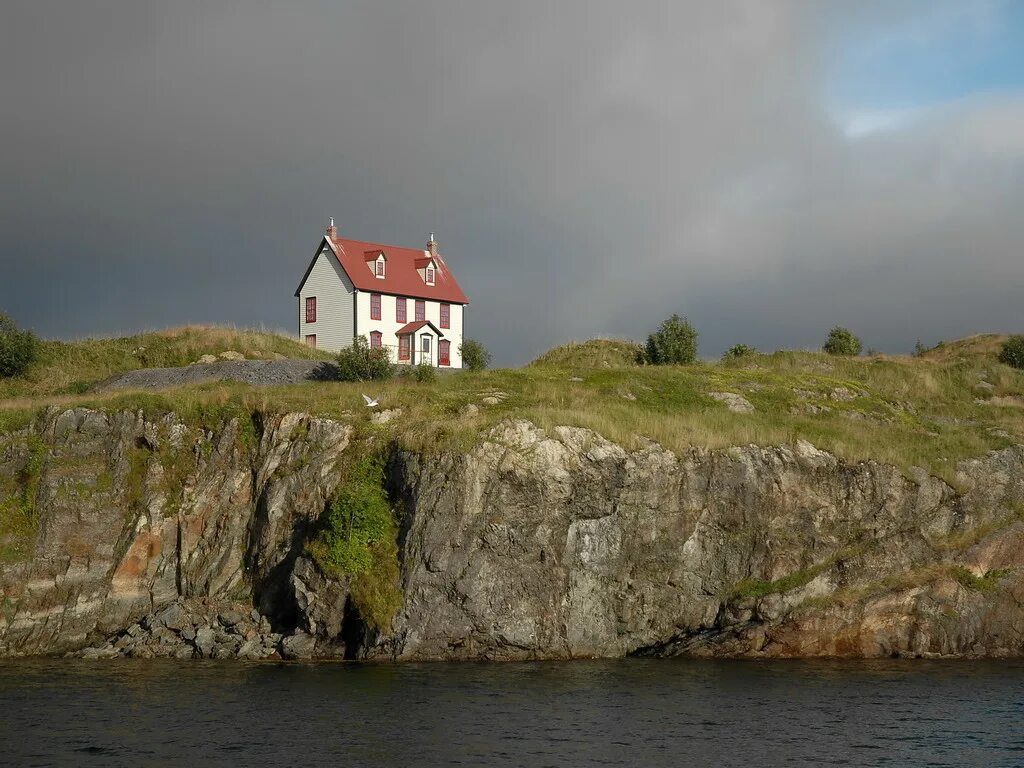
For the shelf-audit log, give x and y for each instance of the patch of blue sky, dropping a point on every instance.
(889, 62)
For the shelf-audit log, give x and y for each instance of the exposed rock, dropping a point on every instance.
(206, 360)
(231, 355)
(298, 646)
(735, 403)
(469, 410)
(629, 396)
(230, 618)
(160, 539)
(491, 400)
(842, 395)
(383, 417)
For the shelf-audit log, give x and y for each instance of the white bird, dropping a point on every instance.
(370, 402)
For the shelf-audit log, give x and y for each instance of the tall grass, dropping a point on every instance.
(904, 411)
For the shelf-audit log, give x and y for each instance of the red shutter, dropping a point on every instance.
(311, 309)
(421, 310)
(375, 337)
(446, 315)
(444, 352)
(375, 306)
(403, 347)
(400, 311)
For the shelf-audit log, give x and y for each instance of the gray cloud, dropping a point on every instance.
(589, 169)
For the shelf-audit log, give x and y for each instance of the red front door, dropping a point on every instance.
(443, 352)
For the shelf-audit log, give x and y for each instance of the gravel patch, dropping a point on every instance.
(260, 373)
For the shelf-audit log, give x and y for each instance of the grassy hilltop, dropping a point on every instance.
(953, 402)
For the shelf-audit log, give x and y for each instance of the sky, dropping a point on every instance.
(768, 169)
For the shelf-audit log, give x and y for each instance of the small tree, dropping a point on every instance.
(475, 356)
(841, 341)
(674, 343)
(361, 362)
(1012, 352)
(737, 351)
(18, 348)
(919, 349)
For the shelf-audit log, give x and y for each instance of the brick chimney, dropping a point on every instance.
(332, 231)
(432, 245)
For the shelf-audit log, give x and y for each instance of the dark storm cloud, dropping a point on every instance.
(589, 167)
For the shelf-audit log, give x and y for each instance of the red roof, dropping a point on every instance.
(415, 326)
(401, 275)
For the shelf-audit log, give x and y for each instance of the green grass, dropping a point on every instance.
(905, 411)
(18, 518)
(70, 368)
(595, 353)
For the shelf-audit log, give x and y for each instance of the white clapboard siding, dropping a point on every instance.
(335, 313)
(388, 325)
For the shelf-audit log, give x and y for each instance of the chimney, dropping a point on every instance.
(332, 231)
(432, 245)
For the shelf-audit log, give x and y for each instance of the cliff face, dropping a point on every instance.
(531, 545)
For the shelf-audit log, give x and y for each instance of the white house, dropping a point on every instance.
(403, 299)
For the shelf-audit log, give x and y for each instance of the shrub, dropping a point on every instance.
(841, 341)
(1012, 352)
(18, 348)
(424, 372)
(738, 350)
(475, 356)
(919, 349)
(357, 539)
(674, 343)
(361, 362)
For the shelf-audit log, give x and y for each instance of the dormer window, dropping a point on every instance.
(376, 261)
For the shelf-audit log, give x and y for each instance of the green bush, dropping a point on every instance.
(357, 539)
(674, 343)
(361, 362)
(423, 372)
(738, 350)
(475, 356)
(357, 516)
(841, 341)
(18, 349)
(1012, 352)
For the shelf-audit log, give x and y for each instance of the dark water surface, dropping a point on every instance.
(634, 712)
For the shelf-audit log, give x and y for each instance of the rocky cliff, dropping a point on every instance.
(128, 535)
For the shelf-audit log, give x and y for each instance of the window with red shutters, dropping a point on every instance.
(375, 306)
(446, 315)
(444, 351)
(375, 338)
(421, 310)
(311, 340)
(404, 346)
(311, 309)
(400, 314)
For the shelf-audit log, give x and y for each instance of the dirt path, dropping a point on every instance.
(256, 372)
